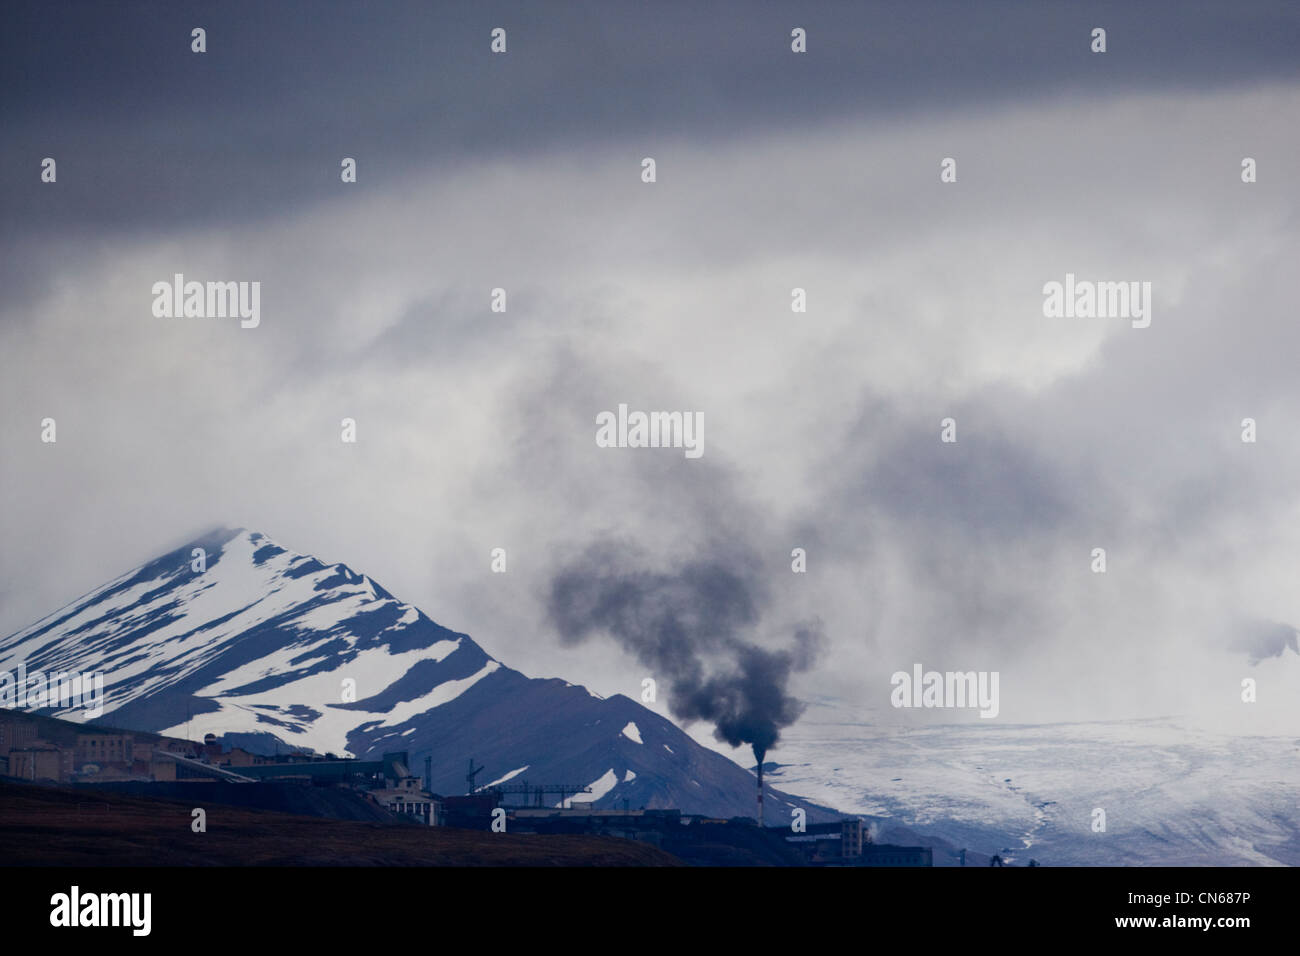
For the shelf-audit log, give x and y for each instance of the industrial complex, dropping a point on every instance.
(44, 750)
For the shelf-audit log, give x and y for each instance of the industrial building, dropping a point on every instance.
(123, 759)
(848, 843)
(40, 761)
(885, 855)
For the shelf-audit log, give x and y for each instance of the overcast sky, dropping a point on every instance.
(775, 170)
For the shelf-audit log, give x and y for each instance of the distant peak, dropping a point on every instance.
(222, 531)
(219, 538)
(215, 536)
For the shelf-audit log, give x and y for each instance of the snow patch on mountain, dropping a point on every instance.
(506, 777)
(442, 694)
(599, 787)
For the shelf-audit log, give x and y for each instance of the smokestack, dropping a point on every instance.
(759, 754)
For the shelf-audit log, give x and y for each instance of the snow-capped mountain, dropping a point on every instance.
(270, 649)
(256, 648)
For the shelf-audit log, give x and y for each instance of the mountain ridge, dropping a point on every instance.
(258, 648)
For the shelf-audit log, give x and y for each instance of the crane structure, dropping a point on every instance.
(473, 772)
(538, 793)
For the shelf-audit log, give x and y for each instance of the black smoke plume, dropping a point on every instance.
(692, 626)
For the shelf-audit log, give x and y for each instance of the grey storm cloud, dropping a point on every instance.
(1261, 639)
(151, 136)
(775, 170)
